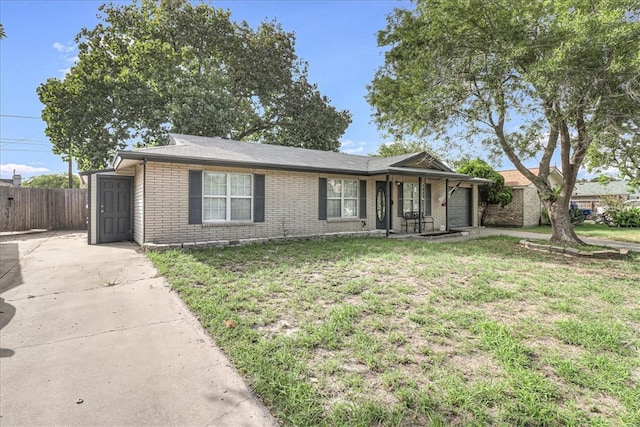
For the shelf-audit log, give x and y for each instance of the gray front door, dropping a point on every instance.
(114, 209)
(460, 208)
(382, 208)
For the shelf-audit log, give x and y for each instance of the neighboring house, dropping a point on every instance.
(214, 191)
(588, 195)
(16, 181)
(525, 210)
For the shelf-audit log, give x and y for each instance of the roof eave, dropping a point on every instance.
(238, 164)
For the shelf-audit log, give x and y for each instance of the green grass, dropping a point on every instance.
(371, 331)
(597, 231)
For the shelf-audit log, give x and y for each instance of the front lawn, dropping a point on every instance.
(597, 231)
(372, 331)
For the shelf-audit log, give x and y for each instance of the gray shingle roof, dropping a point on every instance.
(225, 152)
(611, 188)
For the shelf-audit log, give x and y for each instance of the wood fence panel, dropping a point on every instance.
(23, 208)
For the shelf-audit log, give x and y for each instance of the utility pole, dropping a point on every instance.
(70, 167)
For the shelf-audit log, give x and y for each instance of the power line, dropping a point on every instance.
(33, 151)
(9, 141)
(15, 116)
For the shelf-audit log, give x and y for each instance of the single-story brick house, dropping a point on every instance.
(213, 191)
(525, 210)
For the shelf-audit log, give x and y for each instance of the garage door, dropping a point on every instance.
(460, 208)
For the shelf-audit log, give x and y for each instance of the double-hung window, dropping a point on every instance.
(410, 198)
(342, 198)
(227, 197)
(411, 201)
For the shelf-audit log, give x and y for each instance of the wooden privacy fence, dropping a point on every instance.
(23, 208)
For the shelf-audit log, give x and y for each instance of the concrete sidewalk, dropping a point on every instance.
(523, 234)
(90, 336)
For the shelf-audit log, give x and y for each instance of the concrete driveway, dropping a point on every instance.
(90, 336)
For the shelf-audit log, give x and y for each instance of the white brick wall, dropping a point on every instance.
(532, 207)
(138, 205)
(93, 212)
(291, 206)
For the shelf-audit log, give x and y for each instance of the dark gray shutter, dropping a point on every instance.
(258, 198)
(427, 199)
(195, 197)
(363, 199)
(400, 199)
(322, 198)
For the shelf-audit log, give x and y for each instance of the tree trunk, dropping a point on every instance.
(483, 215)
(561, 223)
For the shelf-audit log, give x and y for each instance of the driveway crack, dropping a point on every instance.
(181, 319)
(219, 417)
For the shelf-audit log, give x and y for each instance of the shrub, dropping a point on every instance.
(627, 217)
(577, 216)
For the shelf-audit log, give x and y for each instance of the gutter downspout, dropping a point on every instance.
(89, 209)
(388, 207)
(446, 203)
(419, 205)
(144, 201)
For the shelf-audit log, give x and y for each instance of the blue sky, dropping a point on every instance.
(337, 39)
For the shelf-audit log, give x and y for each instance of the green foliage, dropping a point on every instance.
(492, 193)
(627, 217)
(525, 78)
(54, 180)
(604, 179)
(327, 333)
(577, 217)
(3, 34)
(399, 148)
(158, 66)
(619, 143)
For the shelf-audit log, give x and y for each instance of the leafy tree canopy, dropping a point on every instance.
(54, 180)
(527, 78)
(619, 147)
(3, 34)
(168, 65)
(492, 193)
(398, 148)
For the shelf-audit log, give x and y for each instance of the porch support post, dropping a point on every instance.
(446, 201)
(388, 207)
(419, 205)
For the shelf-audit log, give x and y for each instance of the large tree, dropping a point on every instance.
(168, 65)
(527, 78)
(397, 148)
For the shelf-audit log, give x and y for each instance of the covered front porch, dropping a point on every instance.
(432, 203)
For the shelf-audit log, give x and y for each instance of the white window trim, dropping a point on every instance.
(342, 198)
(227, 198)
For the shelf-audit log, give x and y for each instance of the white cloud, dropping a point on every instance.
(65, 48)
(6, 170)
(610, 171)
(351, 147)
(67, 55)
